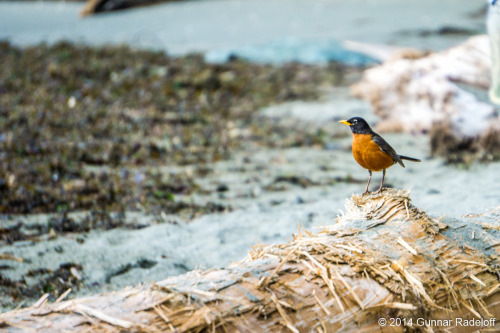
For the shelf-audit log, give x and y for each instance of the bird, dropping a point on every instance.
(371, 151)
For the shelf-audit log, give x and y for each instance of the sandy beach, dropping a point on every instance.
(267, 187)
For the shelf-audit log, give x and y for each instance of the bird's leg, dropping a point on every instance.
(382, 183)
(369, 179)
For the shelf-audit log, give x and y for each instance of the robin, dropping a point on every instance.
(371, 151)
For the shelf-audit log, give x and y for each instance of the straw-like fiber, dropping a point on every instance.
(382, 258)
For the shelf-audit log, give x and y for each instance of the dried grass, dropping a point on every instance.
(348, 274)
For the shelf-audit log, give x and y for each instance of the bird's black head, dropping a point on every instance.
(357, 125)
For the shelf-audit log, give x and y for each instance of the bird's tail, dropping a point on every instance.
(409, 158)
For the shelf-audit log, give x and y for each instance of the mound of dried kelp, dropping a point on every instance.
(384, 258)
(87, 128)
(462, 149)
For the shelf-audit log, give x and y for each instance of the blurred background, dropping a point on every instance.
(140, 142)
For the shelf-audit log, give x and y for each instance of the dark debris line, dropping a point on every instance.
(55, 282)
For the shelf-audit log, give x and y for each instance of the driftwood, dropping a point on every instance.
(383, 258)
(444, 93)
(99, 6)
(411, 94)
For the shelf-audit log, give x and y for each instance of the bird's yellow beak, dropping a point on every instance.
(345, 122)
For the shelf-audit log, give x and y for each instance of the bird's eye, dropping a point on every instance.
(354, 121)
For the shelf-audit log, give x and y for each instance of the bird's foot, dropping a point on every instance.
(366, 192)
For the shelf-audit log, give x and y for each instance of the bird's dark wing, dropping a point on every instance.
(386, 148)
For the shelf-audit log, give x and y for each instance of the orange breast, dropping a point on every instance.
(368, 154)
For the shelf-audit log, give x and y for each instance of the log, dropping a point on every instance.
(410, 94)
(382, 258)
(443, 93)
(100, 6)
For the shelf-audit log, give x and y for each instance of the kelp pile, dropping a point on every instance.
(103, 128)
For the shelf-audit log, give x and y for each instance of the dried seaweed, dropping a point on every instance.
(89, 128)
